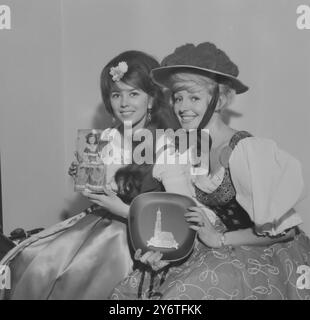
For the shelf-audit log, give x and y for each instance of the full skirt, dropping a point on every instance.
(277, 272)
(83, 257)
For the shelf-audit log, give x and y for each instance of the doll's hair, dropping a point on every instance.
(91, 134)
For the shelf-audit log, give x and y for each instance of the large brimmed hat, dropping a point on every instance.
(204, 59)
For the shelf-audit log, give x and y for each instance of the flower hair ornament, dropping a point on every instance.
(118, 72)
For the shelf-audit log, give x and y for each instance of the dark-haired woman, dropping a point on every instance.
(85, 256)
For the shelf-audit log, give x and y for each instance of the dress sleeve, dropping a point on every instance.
(111, 155)
(168, 169)
(268, 183)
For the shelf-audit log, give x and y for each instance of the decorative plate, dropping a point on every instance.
(157, 223)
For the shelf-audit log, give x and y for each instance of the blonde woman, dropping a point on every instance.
(250, 245)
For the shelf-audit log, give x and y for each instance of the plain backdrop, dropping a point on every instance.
(51, 59)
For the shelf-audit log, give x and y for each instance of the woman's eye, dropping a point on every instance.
(194, 99)
(177, 99)
(114, 95)
(134, 94)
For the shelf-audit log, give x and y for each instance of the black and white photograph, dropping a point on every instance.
(114, 113)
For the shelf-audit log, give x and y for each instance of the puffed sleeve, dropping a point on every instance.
(111, 154)
(268, 183)
(169, 170)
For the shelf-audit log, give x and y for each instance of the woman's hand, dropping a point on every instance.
(206, 232)
(152, 259)
(73, 169)
(74, 165)
(109, 201)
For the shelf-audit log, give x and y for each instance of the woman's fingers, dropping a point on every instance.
(198, 217)
(193, 227)
(108, 192)
(145, 258)
(194, 217)
(160, 264)
(93, 196)
(194, 220)
(74, 165)
(155, 258)
(137, 255)
(85, 193)
(73, 169)
(151, 258)
(99, 203)
(195, 209)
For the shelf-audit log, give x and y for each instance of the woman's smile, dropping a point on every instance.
(127, 113)
(187, 117)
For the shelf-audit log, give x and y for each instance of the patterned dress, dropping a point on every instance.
(278, 271)
(91, 155)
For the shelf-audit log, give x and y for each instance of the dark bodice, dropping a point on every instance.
(223, 200)
(150, 184)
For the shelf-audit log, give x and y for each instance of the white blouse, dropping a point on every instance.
(268, 183)
(114, 155)
(168, 170)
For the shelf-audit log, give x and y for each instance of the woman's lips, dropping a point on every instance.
(126, 113)
(187, 117)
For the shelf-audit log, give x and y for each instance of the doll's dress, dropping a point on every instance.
(92, 155)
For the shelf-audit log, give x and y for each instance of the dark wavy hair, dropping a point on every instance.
(140, 65)
(89, 135)
(129, 179)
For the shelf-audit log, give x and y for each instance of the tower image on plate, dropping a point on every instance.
(162, 239)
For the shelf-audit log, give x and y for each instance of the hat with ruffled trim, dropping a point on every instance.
(204, 59)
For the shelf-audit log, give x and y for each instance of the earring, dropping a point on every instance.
(149, 114)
